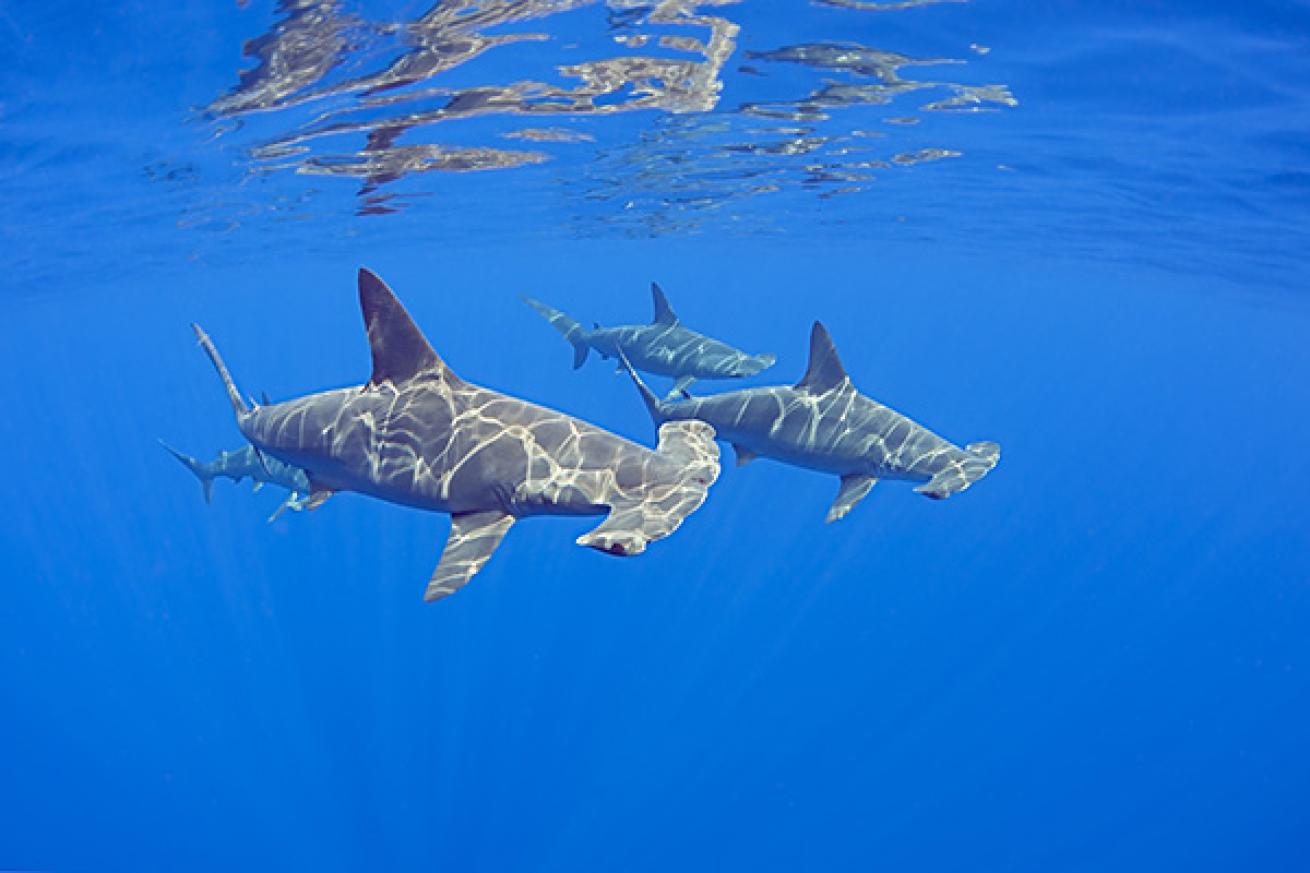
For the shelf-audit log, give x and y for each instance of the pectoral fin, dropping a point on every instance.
(473, 537)
(294, 502)
(854, 487)
(318, 493)
(282, 507)
(318, 498)
(744, 455)
(680, 388)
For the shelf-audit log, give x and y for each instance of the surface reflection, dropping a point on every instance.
(380, 101)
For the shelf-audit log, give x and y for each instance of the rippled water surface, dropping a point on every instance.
(1076, 229)
(1119, 132)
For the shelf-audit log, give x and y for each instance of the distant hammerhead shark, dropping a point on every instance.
(663, 347)
(246, 463)
(418, 435)
(823, 423)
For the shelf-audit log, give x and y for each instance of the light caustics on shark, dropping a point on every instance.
(664, 346)
(418, 435)
(246, 463)
(823, 423)
(673, 59)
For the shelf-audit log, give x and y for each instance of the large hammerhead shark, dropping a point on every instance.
(418, 435)
(823, 423)
(664, 347)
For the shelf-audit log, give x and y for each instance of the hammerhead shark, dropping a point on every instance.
(823, 423)
(418, 435)
(246, 463)
(663, 347)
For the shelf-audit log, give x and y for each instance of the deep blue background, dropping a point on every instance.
(1096, 659)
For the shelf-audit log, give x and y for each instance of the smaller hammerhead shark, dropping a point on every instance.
(663, 347)
(823, 423)
(245, 463)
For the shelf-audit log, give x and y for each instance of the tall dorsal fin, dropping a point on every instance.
(664, 313)
(400, 351)
(825, 371)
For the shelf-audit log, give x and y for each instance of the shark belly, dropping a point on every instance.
(841, 432)
(775, 423)
(660, 349)
(824, 455)
(516, 474)
(641, 345)
(657, 361)
(676, 352)
(524, 460)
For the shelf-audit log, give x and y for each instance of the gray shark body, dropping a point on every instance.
(823, 423)
(418, 435)
(246, 463)
(664, 347)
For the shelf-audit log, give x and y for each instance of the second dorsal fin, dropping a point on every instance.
(664, 313)
(825, 371)
(400, 351)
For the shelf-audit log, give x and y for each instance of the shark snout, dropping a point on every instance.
(752, 364)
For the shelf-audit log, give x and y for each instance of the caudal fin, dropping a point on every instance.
(974, 462)
(653, 404)
(196, 466)
(572, 331)
(233, 395)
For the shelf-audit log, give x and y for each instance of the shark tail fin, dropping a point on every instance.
(977, 461)
(653, 404)
(233, 395)
(571, 330)
(196, 466)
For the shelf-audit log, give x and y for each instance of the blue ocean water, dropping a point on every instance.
(1077, 229)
